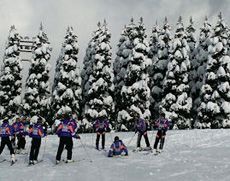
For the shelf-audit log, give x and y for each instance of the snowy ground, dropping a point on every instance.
(188, 155)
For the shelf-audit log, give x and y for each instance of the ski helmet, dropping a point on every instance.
(6, 120)
(162, 114)
(39, 120)
(116, 138)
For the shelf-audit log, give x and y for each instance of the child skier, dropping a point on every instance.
(36, 132)
(66, 131)
(19, 132)
(141, 127)
(162, 125)
(5, 133)
(117, 148)
(101, 125)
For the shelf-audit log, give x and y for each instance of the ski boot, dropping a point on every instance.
(31, 162)
(13, 160)
(69, 161)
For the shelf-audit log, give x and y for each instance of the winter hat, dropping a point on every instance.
(116, 138)
(17, 117)
(6, 120)
(39, 120)
(162, 114)
(59, 115)
(102, 114)
(67, 115)
(134, 114)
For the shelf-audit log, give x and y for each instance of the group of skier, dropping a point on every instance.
(101, 126)
(141, 126)
(66, 130)
(19, 130)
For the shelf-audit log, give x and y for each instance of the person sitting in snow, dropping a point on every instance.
(162, 125)
(141, 127)
(36, 132)
(117, 148)
(20, 133)
(5, 132)
(66, 131)
(101, 125)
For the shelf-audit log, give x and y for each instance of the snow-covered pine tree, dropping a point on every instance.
(37, 92)
(160, 61)
(97, 76)
(153, 44)
(119, 68)
(214, 110)
(177, 103)
(135, 92)
(10, 78)
(199, 66)
(190, 31)
(67, 83)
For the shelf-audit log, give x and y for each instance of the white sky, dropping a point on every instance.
(83, 15)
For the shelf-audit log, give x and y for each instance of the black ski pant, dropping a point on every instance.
(146, 139)
(34, 150)
(21, 141)
(6, 141)
(13, 141)
(66, 142)
(102, 141)
(160, 137)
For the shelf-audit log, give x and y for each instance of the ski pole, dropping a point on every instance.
(131, 139)
(87, 153)
(44, 150)
(92, 139)
(28, 153)
(111, 137)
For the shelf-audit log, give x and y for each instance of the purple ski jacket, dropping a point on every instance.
(36, 131)
(101, 125)
(5, 130)
(162, 124)
(19, 128)
(141, 126)
(66, 128)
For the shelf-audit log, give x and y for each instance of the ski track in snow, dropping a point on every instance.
(198, 155)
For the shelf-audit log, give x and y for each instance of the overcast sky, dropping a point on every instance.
(83, 15)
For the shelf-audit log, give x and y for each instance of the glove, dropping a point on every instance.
(77, 136)
(108, 129)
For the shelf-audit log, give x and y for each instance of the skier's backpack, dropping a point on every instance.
(3, 131)
(101, 125)
(65, 127)
(35, 131)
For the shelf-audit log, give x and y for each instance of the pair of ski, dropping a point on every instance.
(147, 152)
(11, 162)
(154, 153)
(100, 149)
(32, 164)
(66, 162)
(22, 153)
(142, 150)
(120, 156)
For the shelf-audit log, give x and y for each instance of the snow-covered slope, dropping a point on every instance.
(188, 155)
